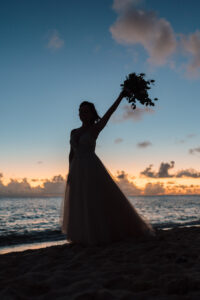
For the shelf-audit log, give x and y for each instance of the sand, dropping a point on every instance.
(164, 267)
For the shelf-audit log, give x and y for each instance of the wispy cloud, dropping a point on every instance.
(144, 144)
(118, 140)
(54, 40)
(184, 140)
(190, 135)
(130, 114)
(122, 5)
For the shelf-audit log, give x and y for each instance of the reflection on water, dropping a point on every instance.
(27, 221)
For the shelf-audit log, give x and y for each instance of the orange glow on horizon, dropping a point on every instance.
(171, 186)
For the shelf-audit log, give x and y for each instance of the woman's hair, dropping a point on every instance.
(96, 117)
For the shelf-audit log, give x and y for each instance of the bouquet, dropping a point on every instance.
(135, 87)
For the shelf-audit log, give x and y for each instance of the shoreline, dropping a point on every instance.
(27, 244)
(30, 246)
(163, 267)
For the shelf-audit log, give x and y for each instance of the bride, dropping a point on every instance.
(94, 210)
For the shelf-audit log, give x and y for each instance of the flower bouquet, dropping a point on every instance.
(135, 87)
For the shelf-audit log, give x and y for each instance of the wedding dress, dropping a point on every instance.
(94, 210)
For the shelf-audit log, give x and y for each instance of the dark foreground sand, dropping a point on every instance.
(164, 267)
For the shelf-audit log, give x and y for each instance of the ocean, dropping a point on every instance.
(35, 221)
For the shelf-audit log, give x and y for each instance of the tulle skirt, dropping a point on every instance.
(94, 210)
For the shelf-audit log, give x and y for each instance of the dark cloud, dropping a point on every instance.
(148, 172)
(162, 172)
(188, 173)
(144, 144)
(194, 150)
(121, 175)
(39, 162)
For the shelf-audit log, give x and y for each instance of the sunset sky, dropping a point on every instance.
(55, 54)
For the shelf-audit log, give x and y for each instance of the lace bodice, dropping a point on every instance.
(84, 144)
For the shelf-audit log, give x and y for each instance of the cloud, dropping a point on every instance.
(181, 189)
(148, 172)
(118, 140)
(56, 184)
(191, 46)
(188, 136)
(144, 144)
(171, 182)
(16, 188)
(194, 150)
(180, 141)
(122, 5)
(188, 173)
(154, 188)
(39, 162)
(121, 175)
(191, 135)
(128, 187)
(162, 172)
(54, 41)
(130, 114)
(136, 26)
(145, 28)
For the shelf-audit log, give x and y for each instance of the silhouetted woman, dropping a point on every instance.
(94, 210)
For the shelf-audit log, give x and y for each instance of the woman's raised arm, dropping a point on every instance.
(102, 123)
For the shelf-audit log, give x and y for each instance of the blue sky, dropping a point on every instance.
(55, 54)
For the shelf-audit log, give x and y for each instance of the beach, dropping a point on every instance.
(166, 266)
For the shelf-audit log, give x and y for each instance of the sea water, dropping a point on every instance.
(36, 220)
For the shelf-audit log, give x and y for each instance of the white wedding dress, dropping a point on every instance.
(94, 210)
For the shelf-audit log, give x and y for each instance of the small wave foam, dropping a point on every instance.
(56, 235)
(171, 225)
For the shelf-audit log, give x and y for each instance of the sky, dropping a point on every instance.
(56, 54)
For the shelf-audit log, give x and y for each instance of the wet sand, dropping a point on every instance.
(164, 267)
